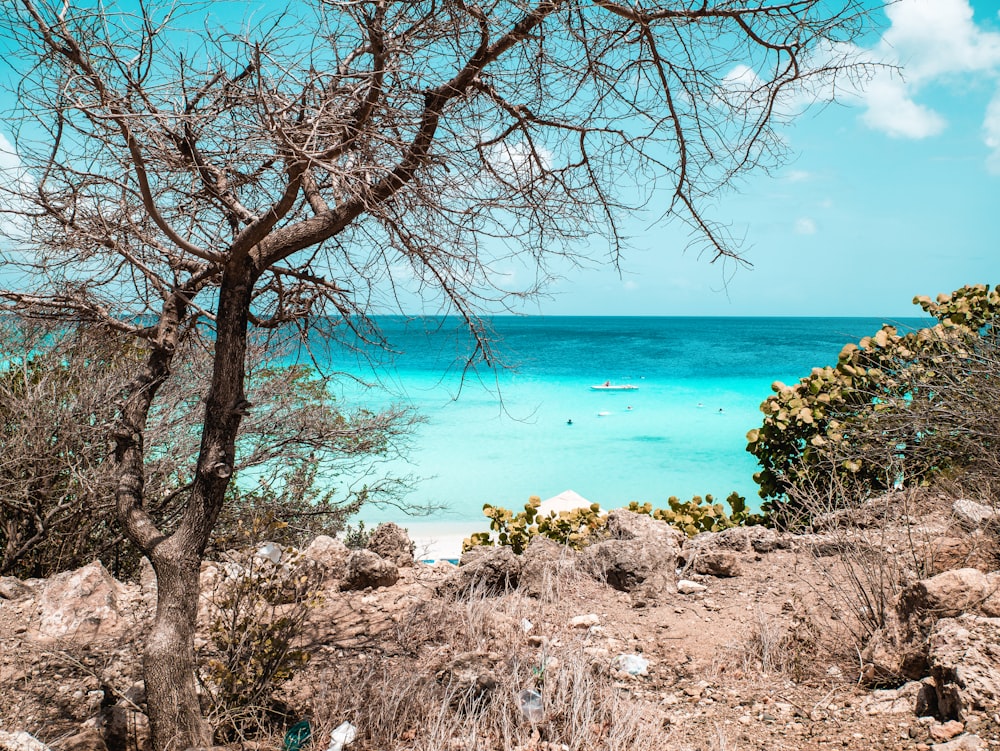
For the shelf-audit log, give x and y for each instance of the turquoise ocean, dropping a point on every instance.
(500, 436)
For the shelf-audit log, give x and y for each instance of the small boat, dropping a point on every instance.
(608, 386)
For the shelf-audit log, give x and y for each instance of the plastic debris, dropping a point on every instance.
(270, 551)
(342, 735)
(632, 664)
(532, 708)
(526, 625)
(298, 735)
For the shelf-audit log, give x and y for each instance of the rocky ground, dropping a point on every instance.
(745, 639)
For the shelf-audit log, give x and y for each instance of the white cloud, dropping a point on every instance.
(931, 41)
(931, 38)
(14, 182)
(893, 112)
(991, 131)
(797, 176)
(805, 226)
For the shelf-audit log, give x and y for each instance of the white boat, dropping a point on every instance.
(608, 386)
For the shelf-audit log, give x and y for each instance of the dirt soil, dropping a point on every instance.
(766, 659)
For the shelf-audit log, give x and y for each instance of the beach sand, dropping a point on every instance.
(436, 541)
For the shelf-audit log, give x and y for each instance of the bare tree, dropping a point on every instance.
(329, 161)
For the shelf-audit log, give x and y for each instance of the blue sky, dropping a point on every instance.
(892, 192)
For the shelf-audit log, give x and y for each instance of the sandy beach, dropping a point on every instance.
(436, 541)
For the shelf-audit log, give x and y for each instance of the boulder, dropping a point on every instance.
(88, 739)
(719, 563)
(367, 569)
(974, 515)
(80, 605)
(900, 649)
(758, 538)
(951, 593)
(487, 570)
(641, 549)
(20, 741)
(628, 525)
(964, 657)
(330, 554)
(628, 564)
(12, 588)
(392, 543)
(545, 565)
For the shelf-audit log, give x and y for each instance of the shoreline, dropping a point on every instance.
(441, 540)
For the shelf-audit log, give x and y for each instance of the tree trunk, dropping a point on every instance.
(168, 662)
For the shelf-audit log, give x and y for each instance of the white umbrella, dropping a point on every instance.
(568, 500)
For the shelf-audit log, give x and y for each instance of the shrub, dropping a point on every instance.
(579, 527)
(357, 537)
(696, 515)
(261, 601)
(908, 393)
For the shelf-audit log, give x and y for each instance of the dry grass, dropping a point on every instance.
(459, 686)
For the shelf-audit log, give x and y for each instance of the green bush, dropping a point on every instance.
(579, 527)
(875, 420)
(697, 515)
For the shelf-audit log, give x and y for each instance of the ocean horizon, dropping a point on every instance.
(539, 428)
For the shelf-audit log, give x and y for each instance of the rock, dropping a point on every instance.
(20, 741)
(892, 701)
(719, 563)
(688, 587)
(12, 588)
(925, 702)
(945, 731)
(952, 593)
(80, 605)
(641, 548)
(821, 546)
(367, 569)
(976, 549)
(331, 554)
(739, 539)
(628, 525)
(631, 664)
(87, 739)
(584, 621)
(963, 743)
(628, 564)
(470, 678)
(974, 515)
(125, 726)
(392, 542)
(964, 657)
(489, 571)
(545, 567)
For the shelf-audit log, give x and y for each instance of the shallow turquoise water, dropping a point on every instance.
(500, 438)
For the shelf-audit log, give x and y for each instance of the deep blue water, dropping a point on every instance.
(499, 436)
